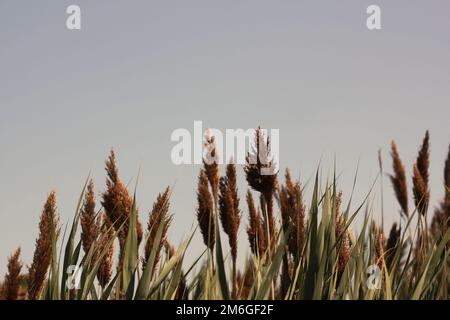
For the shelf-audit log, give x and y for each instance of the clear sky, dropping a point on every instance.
(140, 69)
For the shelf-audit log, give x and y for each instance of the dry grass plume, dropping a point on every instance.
(205, 213)
(43, 251)
(398, 179)
(157, 217)
(11, 285)
(118, 203)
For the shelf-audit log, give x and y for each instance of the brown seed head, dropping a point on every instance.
(118, 203)
(205, 215)
(398, 179)
(392, 244)
(158, 216)
(229, 207)
(11, 285)
(420, 191)
(423, 159)
(293, 213)
(90, 226)
(43, 251)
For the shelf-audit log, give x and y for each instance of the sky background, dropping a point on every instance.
(140, 69)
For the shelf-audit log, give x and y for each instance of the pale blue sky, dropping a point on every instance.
(140, 69)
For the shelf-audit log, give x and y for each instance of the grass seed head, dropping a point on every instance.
(118, 203)
(205, 214)
(43, 250)
(90, 225)
(157, 217)
(11, 285)
(398, 179)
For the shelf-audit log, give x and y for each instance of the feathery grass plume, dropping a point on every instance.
(398, 180)
(205, 214)
(211, 163)
(229, 213)
(420, 190)
(344, 247)
(157, 217)
(391, 245)
(293, 213)
(255, 229)
(118, 203)
(420, 176)
(423, 158)
(104, 272)
(11, 285)
(90, 225)
(261, 176)
(43, 251)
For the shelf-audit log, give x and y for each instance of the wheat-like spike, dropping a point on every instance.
(293, 213)
(420, 176)
(205, 214)
(90, 225)
(229, 207)
(118, 203)
(229, 211)
(420, 191)
(423, 158)
(11, 285)
(392, 244)
(43, 250)
(398, 180)
(157, 217)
